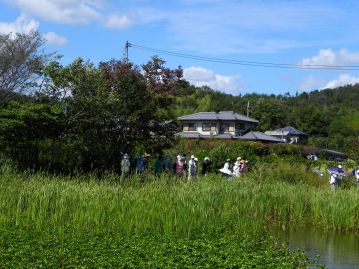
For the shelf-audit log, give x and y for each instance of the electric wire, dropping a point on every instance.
(246, 63)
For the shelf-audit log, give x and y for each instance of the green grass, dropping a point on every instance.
(170, 206)
(80, 220)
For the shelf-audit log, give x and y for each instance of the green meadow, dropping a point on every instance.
(100, 221)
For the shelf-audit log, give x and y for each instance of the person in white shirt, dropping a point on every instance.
(356, 175)
(333, 181)
(192, 167)
(237, 168)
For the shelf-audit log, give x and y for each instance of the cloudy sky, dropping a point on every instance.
(315, 32)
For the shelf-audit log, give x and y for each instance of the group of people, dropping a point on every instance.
(335, 176)
(189, 168)
(229, 170)
(181, 167)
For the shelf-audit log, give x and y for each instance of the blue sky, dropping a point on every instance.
(295, 32)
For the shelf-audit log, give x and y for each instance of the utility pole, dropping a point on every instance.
(125, 56)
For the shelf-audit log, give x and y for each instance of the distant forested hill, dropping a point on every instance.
(329, 116)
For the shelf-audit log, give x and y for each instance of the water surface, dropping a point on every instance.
(335, 249)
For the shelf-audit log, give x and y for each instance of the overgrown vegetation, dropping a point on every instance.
(83, 116)
(165, 221)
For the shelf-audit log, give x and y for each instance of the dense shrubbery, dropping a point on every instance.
(219, 150)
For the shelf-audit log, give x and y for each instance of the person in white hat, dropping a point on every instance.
(237, 168)
(206, 165)
(192, 168)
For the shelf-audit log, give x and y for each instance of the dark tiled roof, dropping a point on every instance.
(225, 136)
(291, 131)
(189, 135)
(214, 116)
(198, 135)
(258, 136)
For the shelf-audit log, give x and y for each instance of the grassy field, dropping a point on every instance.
(86, 221)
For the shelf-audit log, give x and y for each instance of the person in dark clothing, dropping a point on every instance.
(158, 165)
(167, 163)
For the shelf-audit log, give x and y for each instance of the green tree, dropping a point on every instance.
(112, 109)
(21, 63)
(24, 126)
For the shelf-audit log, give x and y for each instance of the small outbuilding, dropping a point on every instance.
(289, 135)
(260, 137)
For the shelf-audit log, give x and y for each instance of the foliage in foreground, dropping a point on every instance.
(48, 221)
(171, 206)
(20, 247)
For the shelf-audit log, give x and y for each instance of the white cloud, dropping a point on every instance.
(118, 22)
(330, 57)
(21, 25)
(342, 80)
(200, 76)
(55, 39)
(310, 83)
(62, 11)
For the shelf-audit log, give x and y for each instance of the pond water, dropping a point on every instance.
(335, 249)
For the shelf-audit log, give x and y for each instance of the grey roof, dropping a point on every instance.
(226, 136)
(198, 135)
(258, 136)
(215, 116)
(291, 130)
(334, 152)
(189, 135)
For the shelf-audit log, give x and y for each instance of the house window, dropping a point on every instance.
(206, 126)
(192, 127)
(225, 127)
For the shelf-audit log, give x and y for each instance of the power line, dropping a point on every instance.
(245, 63)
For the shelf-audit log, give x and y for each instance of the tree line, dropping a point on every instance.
(85, 116)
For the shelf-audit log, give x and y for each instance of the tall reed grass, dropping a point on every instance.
(172, 206)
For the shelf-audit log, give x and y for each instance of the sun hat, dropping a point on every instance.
(239, 158)
(192, 157)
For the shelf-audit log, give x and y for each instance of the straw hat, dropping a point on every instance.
(192, 157)
(239, 158)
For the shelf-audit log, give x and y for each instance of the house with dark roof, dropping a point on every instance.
(289, 135)
(260, 137)
(223, 124)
